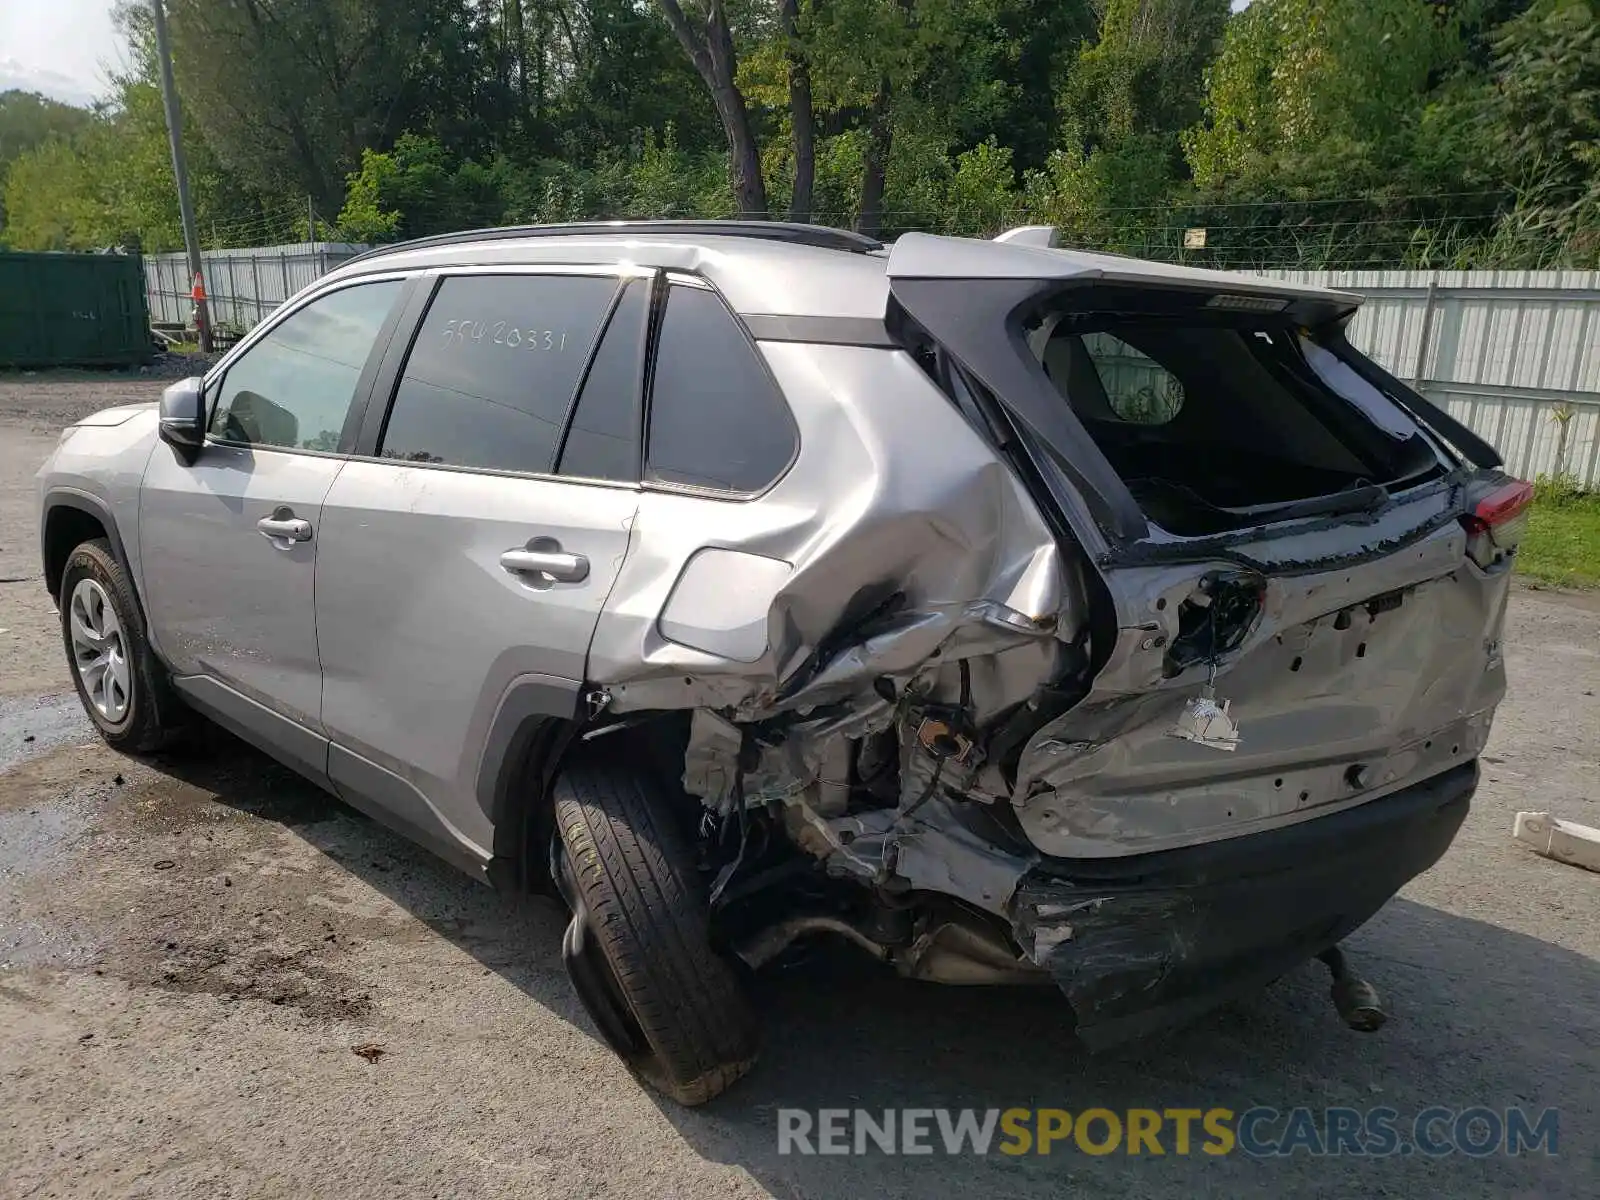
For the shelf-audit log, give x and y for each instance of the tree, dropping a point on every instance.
(289, 92)
(1143, 71)
(1339, 83)
(1544, 109)
(708, 42)
(802, 115)
(28, 120)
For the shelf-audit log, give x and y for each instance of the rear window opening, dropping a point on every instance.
(1220, 421)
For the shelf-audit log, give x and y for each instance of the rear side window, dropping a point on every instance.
(717, 419)
(603, 440)
(293, 388)
(493, 370)
(1137, 388)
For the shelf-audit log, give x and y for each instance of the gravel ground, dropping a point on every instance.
(190, 949)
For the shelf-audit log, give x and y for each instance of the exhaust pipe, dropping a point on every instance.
(772, 941)
(1355, 999)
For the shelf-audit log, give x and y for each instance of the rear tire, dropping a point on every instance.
(676, 1012)
(122, 686)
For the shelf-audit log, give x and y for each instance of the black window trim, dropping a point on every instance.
(217, 376)
(386, 382)
(640, 380)
(665, 282)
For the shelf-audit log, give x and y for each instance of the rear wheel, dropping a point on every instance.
(122, 686)
(638, 947)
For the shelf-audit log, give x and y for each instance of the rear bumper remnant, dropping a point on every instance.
(1150, 941)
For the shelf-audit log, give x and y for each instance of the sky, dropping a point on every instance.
(61, 47)
(58, 47)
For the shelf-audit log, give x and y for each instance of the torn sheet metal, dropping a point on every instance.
(913, 580)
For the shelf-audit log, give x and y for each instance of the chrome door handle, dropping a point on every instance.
(560, 566)
(290, 529)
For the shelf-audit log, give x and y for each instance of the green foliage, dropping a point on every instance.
(1296, 77)
(1295, 132)
(982, 196)
(1560, 489)
(1143, 73)
(1562, 543)
(27, 122)
(417, 189)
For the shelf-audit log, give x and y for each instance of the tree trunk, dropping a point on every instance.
(711, 50)
(802, 119)
(516, 54)
(880, 137)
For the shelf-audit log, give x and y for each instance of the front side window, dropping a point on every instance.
(493, 370)
(293, 388)
(717, 419)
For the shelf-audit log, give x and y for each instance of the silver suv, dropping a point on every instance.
(1012, 613)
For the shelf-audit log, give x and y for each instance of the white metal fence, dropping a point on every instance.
(242, 286)
(1513, 355)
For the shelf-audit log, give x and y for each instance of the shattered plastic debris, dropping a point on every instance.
(1206, 721)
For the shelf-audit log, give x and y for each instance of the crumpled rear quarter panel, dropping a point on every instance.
(907, 545)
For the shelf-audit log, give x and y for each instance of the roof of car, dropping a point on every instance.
(781, 268)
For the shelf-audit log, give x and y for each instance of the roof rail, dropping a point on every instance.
(774, 231)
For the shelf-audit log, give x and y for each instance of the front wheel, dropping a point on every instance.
(119, 681)
(639, 948)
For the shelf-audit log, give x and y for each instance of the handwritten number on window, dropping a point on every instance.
(458, 333)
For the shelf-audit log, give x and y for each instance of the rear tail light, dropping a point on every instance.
(1497, 521)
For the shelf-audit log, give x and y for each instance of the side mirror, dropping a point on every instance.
(183, 417)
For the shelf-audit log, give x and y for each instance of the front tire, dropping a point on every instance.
(121, 685)
(639, 948)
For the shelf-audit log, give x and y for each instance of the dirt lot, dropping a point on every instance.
(189, 950)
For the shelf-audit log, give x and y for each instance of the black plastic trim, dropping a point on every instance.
(828, 331)
(961, 315)
(1478, 452)
(288, 741)
(528, 703)
(372, 370)
(392, 801)
(408, 315)
(93, 506)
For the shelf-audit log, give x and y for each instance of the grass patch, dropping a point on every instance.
(1562, 545)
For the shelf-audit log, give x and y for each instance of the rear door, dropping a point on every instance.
(230, 541)
(460, 577)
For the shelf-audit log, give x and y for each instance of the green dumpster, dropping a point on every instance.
(63, 310)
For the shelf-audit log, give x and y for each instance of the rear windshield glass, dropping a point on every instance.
(1213, 424)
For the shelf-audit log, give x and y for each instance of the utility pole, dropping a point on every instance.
(191, 238)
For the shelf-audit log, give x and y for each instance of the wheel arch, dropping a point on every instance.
(536, 735)
(70, 518)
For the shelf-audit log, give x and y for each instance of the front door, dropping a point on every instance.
(459, 575)
(229, 543)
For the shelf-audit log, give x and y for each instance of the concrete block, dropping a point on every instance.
(1564, 841)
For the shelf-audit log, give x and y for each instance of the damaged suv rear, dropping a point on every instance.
(1044, 617)
(1118, 625)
